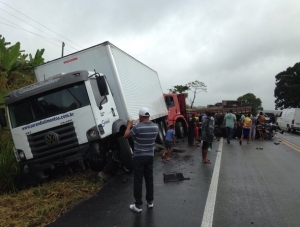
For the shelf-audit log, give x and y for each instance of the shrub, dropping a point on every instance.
(9, 168)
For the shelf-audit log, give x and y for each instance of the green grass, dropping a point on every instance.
(9, 168)
(41, 205)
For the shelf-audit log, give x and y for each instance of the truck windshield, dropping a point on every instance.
(48, 104)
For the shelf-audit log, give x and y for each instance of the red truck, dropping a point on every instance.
(177, 114)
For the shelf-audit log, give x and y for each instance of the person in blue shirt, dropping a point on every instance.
(169, 143)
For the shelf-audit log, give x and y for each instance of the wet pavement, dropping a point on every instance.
(258, 185)
(178, 203)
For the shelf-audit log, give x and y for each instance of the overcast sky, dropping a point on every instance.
(233, 46)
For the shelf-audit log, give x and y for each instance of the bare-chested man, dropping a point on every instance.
(260, 122)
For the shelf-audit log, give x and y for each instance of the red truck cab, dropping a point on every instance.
(177, 114)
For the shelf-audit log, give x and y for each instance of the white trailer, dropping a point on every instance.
(79, 108)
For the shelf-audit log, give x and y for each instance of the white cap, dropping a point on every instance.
(144, 111)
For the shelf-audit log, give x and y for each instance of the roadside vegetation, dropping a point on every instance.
(42, 204)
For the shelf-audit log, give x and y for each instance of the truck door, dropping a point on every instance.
(105, 113)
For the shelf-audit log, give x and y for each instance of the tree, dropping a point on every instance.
(195, 87)
(8, 55)
(250, 99)
(287, 90)
(14, 66)
(180, 89)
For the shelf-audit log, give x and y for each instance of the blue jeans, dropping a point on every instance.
(143, 167)
(229, 133)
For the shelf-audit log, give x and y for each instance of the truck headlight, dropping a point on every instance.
(93, 133)
(21, 154)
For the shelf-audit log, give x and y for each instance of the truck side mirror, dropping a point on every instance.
(3, 122)
(102, 86)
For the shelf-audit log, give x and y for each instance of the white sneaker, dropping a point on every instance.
(134, 208)
(150, 206)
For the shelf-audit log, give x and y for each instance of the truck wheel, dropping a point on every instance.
(126, 153)
(163, 128)
(288, 129)
(179, 130)
(160, 136)
(2, 118)
(96, 157)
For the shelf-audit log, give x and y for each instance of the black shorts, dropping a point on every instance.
(168, 144)
(205, 145)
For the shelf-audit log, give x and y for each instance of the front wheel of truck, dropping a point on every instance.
(126, 153)
(179, 130)
(160, 136)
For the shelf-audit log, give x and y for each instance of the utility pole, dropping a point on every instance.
(62, 49)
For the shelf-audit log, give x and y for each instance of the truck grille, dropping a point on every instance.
(65, 136)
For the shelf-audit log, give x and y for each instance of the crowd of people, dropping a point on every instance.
(201, 129)
(207, 126)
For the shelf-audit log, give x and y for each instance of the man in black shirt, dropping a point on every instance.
(191, 123)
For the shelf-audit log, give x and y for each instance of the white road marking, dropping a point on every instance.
(208, 215)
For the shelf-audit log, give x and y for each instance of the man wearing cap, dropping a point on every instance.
(143, 135)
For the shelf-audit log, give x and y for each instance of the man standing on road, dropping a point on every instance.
(246, 124)
(191, 124)
(253, 128)
(260, 123)
(207, 135)
(230, 123)
(143, 135)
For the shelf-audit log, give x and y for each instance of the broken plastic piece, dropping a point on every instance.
(174, 177)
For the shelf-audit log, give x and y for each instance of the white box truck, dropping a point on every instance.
(79, 108)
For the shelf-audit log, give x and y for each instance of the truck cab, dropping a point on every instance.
(176, 106)
(62, 120)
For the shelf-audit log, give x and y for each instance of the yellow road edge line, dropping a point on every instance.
(289, 144)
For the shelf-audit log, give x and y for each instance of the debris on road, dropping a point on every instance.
(168, 177)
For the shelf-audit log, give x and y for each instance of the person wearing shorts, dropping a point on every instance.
(260, 122)
(246, 123)
(169, 142)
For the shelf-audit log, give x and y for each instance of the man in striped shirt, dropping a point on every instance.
(143, 135)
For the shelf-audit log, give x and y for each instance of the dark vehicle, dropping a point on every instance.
(270, 118)
(269, 130)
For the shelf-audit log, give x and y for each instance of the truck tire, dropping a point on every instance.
(126, 153)
(288, 129)
(2, 118)
(160, 136)
(179, 130)
(163, 128)
(96, 157)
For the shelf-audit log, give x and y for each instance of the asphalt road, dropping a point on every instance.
(258, 185)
